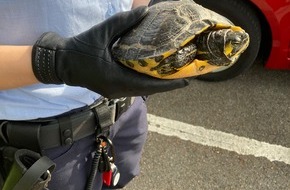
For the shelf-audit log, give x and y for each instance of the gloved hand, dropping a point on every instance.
(85, 60)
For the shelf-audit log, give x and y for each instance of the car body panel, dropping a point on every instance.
(277, 14)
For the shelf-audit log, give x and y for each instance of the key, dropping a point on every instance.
(106, 166)
(104, 163)
(101, 166)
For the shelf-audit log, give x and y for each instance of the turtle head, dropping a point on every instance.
(235, 42)
(223, 46)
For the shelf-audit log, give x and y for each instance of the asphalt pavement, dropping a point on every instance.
(254, 106)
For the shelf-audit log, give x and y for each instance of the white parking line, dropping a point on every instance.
(227, 141)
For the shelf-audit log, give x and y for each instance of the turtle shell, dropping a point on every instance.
(169, 26)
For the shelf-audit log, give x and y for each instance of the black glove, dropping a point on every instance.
(85, 60)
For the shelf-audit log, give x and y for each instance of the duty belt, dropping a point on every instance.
(63, 130)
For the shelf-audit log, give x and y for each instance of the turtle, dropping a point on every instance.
(179, 39)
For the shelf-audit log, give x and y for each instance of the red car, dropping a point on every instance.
(268, 24)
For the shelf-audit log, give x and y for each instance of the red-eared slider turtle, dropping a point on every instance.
(180, 39)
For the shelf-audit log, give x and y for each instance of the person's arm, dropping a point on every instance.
(84, 60)
(15, 63)
(15, 67)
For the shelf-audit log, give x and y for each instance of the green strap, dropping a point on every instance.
(34, 173)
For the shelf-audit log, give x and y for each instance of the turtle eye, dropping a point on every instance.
(235, 37)
(237, 40)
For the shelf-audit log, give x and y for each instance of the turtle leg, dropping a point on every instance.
(177, 60)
